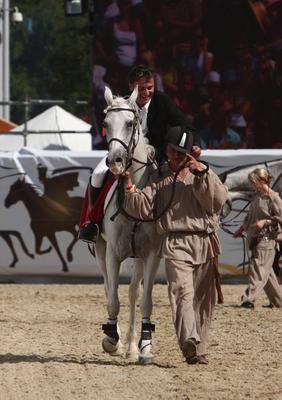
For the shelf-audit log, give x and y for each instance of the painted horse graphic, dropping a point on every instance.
(236, 180)
(49, 215)
(6, 236)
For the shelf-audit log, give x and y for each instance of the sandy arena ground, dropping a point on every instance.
(50, 340)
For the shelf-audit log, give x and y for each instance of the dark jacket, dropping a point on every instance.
(161, 113)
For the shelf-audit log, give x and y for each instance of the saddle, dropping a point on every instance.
(95, 212)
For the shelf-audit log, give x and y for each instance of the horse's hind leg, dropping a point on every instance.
(70, 247)
(132, 351)
(19, 237)
(145, 343)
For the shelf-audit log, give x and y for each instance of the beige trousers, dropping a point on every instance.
(262, 276)
(192, 295)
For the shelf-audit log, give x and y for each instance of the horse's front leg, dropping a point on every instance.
(111, 342)
(145, 343)
(132, 350)
(100, 250)
(38, 242)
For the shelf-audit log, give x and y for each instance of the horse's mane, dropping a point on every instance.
(51, 203)
(33, 187)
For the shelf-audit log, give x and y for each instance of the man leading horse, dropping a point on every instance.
(156, 111)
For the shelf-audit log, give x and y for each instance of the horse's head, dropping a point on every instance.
(121, 124)
(14, 192)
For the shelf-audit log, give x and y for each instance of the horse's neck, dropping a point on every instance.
(138, 169)
(29, 198)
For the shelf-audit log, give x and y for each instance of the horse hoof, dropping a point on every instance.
(133, 357)
(111, 347)
(145, 359)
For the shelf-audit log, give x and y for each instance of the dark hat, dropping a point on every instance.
(180, 138)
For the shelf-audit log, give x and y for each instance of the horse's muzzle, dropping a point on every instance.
(116, 167)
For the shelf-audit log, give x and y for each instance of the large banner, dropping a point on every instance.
(40, 202)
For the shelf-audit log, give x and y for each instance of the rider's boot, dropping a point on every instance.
(89, 231)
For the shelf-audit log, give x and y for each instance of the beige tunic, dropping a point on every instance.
(191, 217)
(261, 274)
(263, 206)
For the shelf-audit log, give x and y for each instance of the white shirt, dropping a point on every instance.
(143, 114)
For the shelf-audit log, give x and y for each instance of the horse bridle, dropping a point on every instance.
(130, 147)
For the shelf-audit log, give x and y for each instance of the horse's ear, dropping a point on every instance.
(134, 95)
(108, 96)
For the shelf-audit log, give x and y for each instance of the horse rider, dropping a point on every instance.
(189, 245)
(156, 112)
(262, 224)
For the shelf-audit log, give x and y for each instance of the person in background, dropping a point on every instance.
(189, 245)
(218, 134)
(262, 224)
(156, 112)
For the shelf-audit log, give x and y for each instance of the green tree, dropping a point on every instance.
(50, 56)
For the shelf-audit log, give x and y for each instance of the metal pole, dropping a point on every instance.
(5, 55)
(1, 59)
(26, 114)
(6, 44)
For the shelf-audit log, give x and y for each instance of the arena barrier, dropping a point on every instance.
(38, 235)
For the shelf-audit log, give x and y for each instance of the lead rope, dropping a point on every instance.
(120, 199)
(246, 258)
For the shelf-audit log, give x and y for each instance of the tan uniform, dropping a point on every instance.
(263, 245)
(189, 244)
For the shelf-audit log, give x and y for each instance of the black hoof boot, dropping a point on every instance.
(89, 232)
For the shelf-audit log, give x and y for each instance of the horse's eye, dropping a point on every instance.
(129, 124)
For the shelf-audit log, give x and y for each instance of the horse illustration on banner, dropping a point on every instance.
(6, 236)
(52, 210)
(236, 180)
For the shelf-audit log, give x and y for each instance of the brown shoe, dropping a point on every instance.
(270, 305)
(202, 359)
(189, 351)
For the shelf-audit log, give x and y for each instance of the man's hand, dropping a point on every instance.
(262, 223)
(193, 164)
(196, 152)
(127, 183)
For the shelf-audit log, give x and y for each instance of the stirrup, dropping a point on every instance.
(89, 232)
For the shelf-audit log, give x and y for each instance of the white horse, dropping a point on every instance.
(121, 237)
